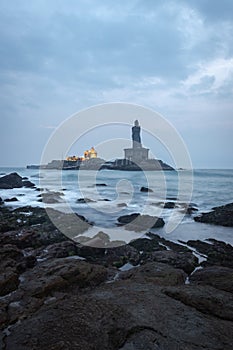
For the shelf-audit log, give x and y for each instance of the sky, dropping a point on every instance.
(59, 57)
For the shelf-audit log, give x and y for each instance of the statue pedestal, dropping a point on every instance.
(136, 154)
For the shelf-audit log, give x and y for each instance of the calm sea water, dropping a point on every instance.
(122, 195)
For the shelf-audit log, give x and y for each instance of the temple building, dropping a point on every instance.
(137, 153)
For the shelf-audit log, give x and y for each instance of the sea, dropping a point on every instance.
(111, 194)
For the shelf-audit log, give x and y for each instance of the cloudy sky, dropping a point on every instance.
(175, 57)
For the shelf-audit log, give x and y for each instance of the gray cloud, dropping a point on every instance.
(57, 57)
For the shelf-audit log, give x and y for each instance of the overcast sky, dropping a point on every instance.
(175, 57)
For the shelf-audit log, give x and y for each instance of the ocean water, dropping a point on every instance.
(204, 189)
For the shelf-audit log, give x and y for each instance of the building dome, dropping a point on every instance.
(92, 153)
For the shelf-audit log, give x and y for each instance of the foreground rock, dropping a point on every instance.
(222, 215)
(215, 276)
(205, 299)
(58, 294)
(134, 313)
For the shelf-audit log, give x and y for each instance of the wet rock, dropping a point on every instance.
(51, 197)
(157, 273)
(85, 200)
(12, 180)
(188, 208)
(28, 183)
(215, 276)
(13, 199)
(217, 252)
(169, 205)
(207, 300)
(145, 189)
(183, 260)
(100, 185)
(138, 222)
(146, 245)
(222, 215)
(122, 205)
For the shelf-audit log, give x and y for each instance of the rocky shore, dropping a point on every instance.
(57, 294)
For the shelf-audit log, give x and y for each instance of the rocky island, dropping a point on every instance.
(135, 159)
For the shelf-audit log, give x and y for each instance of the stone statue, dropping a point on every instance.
(136, 135)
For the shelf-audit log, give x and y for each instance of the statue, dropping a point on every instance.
(136, 135)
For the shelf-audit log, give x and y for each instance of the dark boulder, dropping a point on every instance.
(13, 199)
(140, 222)
(169, 205)
(222, 215)
(12, 180)
(146, 189)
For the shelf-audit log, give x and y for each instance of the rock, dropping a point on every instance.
(122, 205)
(126, 219)
(222, 215)
(205, 299)
(59, 250)
(124, 315)
(146, 245)
(169, 205)
(58, 274)
(218, 253)
(13, 199)
(184, 261)
(116, 256)
(140, 222)
(28, 184)
(1, 201)
(12, 180)
(100, 185)
(146, 189)
(10, 256)
(85, 200)
(51, 197)
(9, 281)
(215, 276)
(156, 273)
